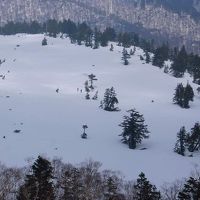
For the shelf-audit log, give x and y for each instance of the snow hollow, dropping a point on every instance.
(50, 122)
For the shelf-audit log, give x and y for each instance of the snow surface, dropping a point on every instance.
(51, 123)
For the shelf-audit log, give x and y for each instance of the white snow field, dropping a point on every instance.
(51, 122)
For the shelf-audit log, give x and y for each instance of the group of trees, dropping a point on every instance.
(183, 95)
(81, 33)
(188, 141)
(55, 180)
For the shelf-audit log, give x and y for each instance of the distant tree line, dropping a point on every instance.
(55, 180)
(81, 33)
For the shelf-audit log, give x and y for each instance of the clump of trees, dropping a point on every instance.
(183, 95)
(110, 100)
(188, 141)
(51, 180)
(134, 129)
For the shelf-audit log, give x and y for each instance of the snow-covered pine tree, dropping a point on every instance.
(193, 140)
(134, 129)
(125, 57)
(189, 93)
(181, 142)
(147, 57)
(110, 100)
(179, 95)
(145, 190)
(110, 191)
(191, 190)
(39, 184)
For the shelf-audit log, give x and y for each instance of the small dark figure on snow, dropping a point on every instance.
(57, 90)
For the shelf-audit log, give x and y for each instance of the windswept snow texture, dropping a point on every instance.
(51, 122)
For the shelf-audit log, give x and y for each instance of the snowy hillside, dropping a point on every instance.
(51, 122)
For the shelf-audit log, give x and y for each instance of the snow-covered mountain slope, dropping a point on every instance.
(173, 21)
(51, 122)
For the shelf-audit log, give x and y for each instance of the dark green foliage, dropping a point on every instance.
(52, 27)
(161, 54)
(183, 95)
(145, 190)
(189, 92)
(38, 185)
(110, 100)
(193, 139)
(147, 57)
(125, 57)
(179, 64)
(97, 37)
(191, 190)
(44, 42)
(181, 142)
(134, 129)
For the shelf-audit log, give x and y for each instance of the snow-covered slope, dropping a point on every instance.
(51, 122)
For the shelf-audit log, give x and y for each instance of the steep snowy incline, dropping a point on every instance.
(51, 122)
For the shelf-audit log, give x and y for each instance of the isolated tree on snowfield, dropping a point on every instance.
(110, 100)
(44, 42)
(134, 129)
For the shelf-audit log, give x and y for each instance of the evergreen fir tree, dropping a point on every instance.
(193, 140)
(38, 185)
(95, 97)
(181, 142)
(97, 37)
(191, 190)
(179, 95)
(44, 42)
(145, 190)
(179, 64)
(110, 192)
(125, 56)
(189, 92)
(87, 96)
(110, 100)
(147, 57)
(134, 129)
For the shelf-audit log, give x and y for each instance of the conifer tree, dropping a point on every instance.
(38, 185)
(193, 140)
(110, 192)
(125, 57)
(191, 190)
(145, 190)
(179, 64)
(189, 92)
(134, 129)
(179, 97)
(181, 142)
(110, 100)
(44, 42)
(147, 57)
